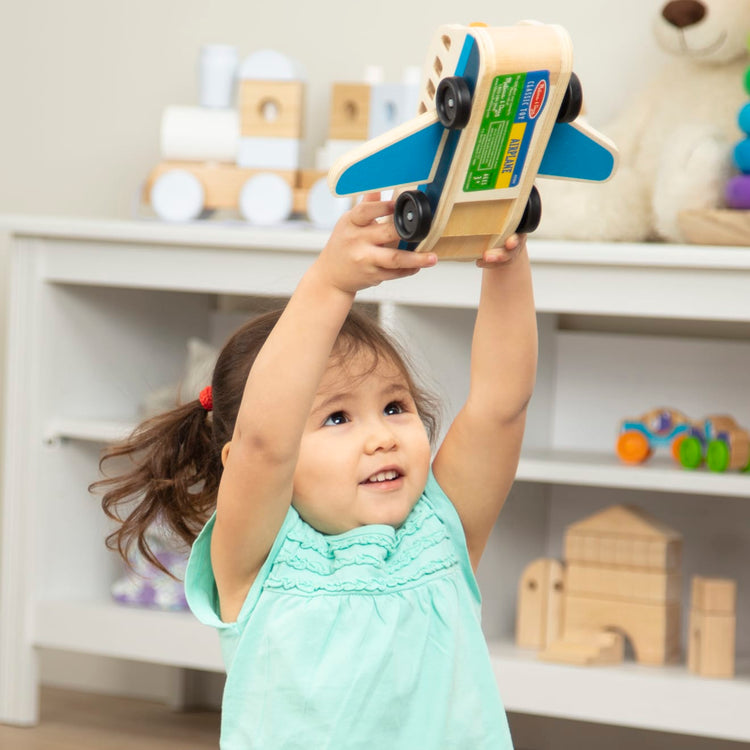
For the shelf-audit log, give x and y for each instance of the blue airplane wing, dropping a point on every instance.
(573, 154)
(406, 161)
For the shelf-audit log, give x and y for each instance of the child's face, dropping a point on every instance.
(363, 427)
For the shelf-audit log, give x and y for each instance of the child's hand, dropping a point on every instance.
(356, 257)
(499, 256)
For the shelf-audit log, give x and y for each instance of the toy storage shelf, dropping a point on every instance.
(544, 466)
(667, 699)
(98, 316)
(104, 628)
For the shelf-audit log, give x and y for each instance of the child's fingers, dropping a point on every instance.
(367, 211)
(369, 197)
(382, 232)
(403, 260)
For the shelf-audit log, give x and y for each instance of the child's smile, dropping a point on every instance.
(365, 454)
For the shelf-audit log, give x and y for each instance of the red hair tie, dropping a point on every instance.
(207, 398)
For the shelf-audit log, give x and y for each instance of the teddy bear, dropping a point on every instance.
(675, 139)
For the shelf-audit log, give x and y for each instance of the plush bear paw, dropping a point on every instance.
(692, 173)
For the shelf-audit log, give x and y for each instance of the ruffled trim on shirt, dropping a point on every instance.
(369, 559)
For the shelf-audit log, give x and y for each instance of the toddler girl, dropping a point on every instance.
(335, 560)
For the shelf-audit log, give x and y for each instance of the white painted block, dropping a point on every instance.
(177, 195)
(332, 150)
(323, 208)
(265, 199)
(268, 153)
(199, 134)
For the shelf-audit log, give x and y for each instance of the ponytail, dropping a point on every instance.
(173, 481)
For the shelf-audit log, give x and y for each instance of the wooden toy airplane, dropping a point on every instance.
(497, 108)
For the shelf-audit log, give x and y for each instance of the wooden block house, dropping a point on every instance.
(623, 575)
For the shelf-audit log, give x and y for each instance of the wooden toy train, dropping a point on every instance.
(246, 159)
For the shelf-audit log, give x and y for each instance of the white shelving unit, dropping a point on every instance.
(99, 313)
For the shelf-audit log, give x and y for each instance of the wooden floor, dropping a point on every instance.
(79, 721)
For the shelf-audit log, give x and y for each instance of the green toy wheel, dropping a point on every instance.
(691, 453)
(717, 455)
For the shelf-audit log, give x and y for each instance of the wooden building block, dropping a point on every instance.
(269, 153)
(222, 183)
(714, 595)
(586, 647)
(654, 629)
(713, 626)
(539, 605)
(350, 112)
(623, 583)
(625, 536)
(715, 226)
(711, 644)
(271, 109)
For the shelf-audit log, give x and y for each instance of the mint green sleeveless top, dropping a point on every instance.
(366, 639)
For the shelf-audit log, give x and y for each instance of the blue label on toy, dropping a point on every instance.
(502, 144)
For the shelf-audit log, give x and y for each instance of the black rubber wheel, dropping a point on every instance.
(572, 101)
(412, 216)
(453, 102)
(532, 214)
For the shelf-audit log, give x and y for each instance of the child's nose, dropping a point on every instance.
(379, 437)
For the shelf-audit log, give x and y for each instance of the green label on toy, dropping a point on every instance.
(513, 105)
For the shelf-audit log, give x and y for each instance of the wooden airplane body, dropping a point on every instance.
(477, 177)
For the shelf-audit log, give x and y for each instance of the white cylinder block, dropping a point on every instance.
(199, 134)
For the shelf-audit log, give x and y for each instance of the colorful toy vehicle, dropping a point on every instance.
(720, 442)
(662, 427)
(497, 108)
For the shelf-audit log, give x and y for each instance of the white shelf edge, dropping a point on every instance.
(302, 236)
(123, 632)
(88, 430)
(548, 467)
(667, 699)
(605, 470)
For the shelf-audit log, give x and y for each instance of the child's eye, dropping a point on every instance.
(338, 417)
(395, 407)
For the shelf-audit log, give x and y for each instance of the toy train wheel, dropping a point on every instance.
(532, 214)
(412, 216)
(572, 102)
(453, 102)
(675, 447)
(717, 455)
(633, 447)
(691, 452)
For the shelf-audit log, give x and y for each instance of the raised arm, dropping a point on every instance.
(259, 462)
(477, 462)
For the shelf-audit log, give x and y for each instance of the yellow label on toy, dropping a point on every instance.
(510, 157)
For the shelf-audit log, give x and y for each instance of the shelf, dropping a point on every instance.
(122, 632)
(659, 474)
(673, 281)
(592, 469)
(88, 430)
(667, 699)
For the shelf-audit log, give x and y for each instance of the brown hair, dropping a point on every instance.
(176, 457)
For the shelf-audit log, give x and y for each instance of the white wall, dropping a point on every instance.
(84, 82)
